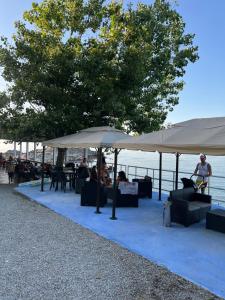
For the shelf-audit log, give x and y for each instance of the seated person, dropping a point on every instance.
(83, 171)
(19, 171)
(83, 163)
(121, 177)
(35, 171)
(147, 178)
(10, 168)
(108, 182)
(93, 175)
(104, 175)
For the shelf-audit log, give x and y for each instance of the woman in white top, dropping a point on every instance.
(204, 170)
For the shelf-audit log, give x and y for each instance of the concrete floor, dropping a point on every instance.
(194, 252)
(46, 256)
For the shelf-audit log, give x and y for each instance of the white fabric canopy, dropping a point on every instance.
(193, 136)
(91, 137)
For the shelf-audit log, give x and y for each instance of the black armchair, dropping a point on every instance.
(89, 194)
(122, 200)
(188, 207)
(126, 200)
(144, 187)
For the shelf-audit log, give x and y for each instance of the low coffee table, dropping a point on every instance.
(215, 220)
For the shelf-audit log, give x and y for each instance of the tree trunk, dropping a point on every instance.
(60, 157)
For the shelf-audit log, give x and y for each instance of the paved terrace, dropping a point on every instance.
(44, 255)
(192, 252)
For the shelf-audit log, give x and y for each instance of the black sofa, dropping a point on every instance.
(144, 187)
(122, 200)
(79, 184)
(126, 200)
(89, 194)
(188, 207)
(215, 220)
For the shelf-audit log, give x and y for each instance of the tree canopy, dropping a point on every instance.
(74, 64)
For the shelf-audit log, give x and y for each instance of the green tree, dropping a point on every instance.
(75, 64)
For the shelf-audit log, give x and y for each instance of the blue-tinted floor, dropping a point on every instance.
(195, 253)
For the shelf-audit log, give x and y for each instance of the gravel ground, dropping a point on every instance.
(45, 256)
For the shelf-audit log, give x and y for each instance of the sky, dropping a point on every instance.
(204, 91)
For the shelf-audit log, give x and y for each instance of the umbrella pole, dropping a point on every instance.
(114, 186)
(99, 164)
(160, 176)
(177, 170)
(42, 169)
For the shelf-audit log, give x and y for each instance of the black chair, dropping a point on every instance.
(126, 200)
(144, 187)
(188, 207)
(82, 172)
(79, 184)
(215, 220)
(89, 194)
(122, 199)
(188, 182)
(60, 178)
(81, 176)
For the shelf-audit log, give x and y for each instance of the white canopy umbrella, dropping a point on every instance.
(194, 136)
(96, 137)
(206, 135)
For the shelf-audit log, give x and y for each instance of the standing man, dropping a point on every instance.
(204, 170)
(10, 168)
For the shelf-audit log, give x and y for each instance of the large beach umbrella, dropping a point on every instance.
(96, 137)
(194, 136)
(204, 135)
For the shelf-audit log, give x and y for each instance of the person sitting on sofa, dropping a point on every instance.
(93, 175)
(121, 177)
(104, 176)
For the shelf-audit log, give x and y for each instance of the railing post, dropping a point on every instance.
(99, 164)
(208, 185)
(160, 176)
(114, 186)
(177, 170)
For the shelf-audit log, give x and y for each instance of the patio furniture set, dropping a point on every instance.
(89, 194)
(89, 189)
(189, 207)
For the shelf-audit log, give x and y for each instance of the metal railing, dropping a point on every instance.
(168, 180)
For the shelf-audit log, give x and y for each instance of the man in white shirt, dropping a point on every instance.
(204, 170)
